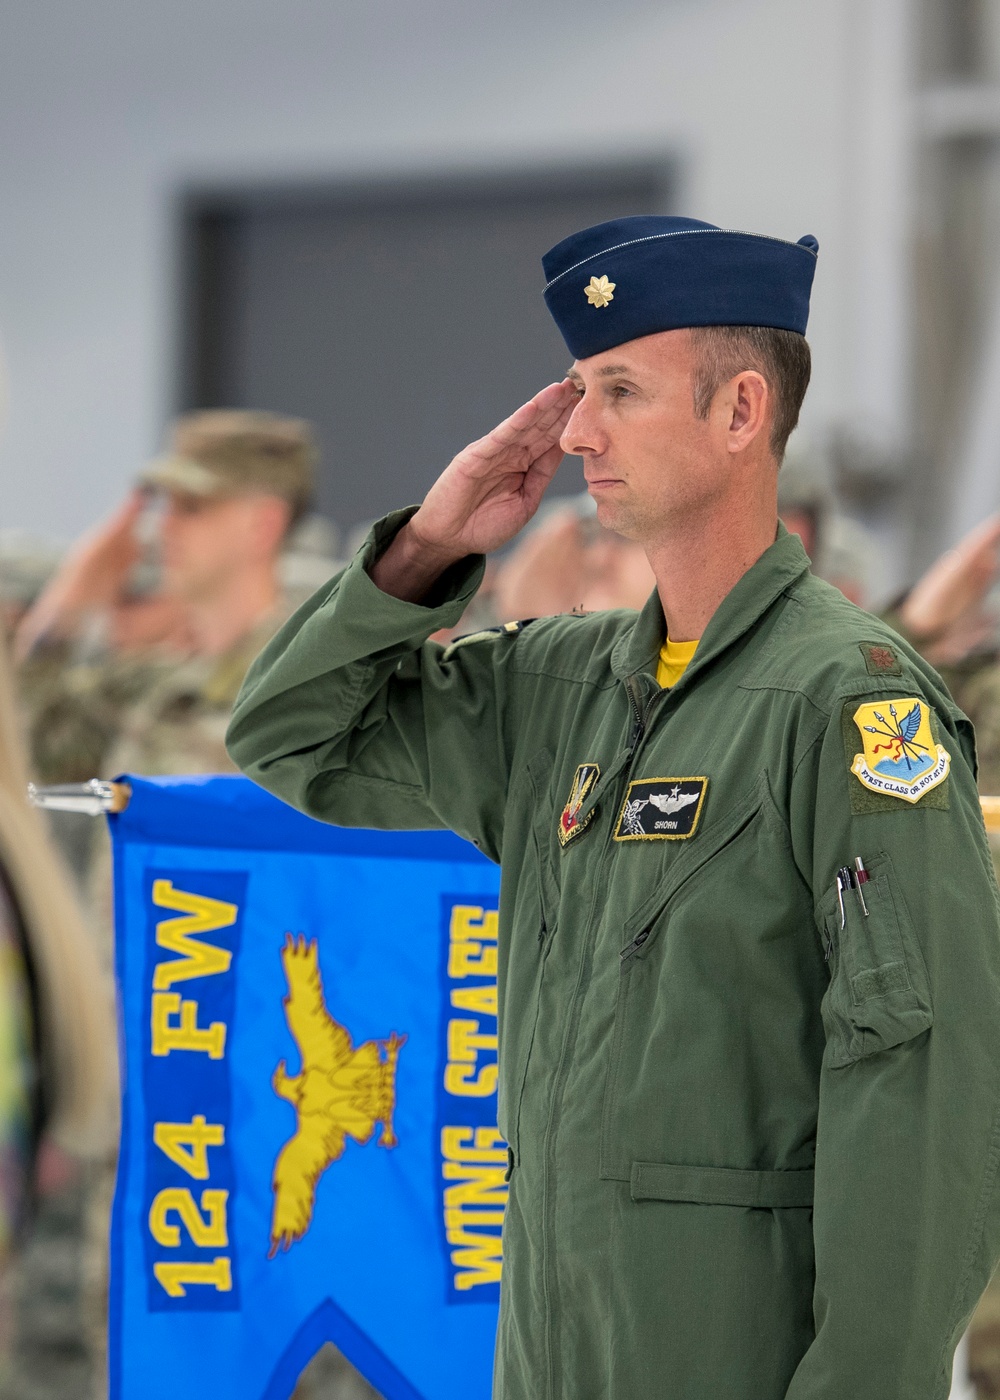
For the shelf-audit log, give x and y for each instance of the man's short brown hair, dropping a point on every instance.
(782, 357)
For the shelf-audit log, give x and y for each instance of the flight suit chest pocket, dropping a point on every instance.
(879, 995)
(671, 950)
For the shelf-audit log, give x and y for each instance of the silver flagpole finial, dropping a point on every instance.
(92, 799)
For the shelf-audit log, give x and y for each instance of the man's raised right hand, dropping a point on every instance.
(483, 497)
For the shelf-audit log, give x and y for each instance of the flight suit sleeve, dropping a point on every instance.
(906, 1221)
(353, 716)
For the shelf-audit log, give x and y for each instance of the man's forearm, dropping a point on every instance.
(410, 566)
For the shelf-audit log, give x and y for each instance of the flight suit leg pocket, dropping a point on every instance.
(722, 1186)
(879, 994)
(742, 1239)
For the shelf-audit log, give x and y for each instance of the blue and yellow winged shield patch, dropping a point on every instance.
(900, 758)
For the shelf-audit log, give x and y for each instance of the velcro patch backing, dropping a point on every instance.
(880, 659)
(863, 799)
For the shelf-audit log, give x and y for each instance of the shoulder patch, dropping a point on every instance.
(506, 629)
(880, 659)
(901, 759)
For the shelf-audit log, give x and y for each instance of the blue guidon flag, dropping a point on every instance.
(309, 1148)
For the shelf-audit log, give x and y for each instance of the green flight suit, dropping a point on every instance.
(754, 1155)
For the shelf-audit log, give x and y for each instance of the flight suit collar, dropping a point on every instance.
(778, 567)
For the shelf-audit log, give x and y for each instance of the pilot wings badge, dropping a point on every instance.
(661, 809)
(338, 1093)
(570, 824)
(900, 758)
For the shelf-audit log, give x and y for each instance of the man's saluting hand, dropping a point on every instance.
(483, 497)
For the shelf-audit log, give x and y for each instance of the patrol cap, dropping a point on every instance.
(648, 273)
(230, 452)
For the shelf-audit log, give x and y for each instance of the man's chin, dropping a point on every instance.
(615, 514)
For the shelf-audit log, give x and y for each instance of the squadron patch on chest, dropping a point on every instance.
(570, 824)
(661, 809)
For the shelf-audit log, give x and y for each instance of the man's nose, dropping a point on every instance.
(582, 435)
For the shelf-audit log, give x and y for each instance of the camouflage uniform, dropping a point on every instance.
(178, 725)
(55, 1025)
(73, 714)
(975, 684)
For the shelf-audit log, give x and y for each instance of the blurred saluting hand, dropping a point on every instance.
(944, 608)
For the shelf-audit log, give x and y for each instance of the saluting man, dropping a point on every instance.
(749, 934)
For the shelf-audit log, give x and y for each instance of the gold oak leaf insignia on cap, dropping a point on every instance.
(600, 291)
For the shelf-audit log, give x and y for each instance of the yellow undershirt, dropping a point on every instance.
(675, 658)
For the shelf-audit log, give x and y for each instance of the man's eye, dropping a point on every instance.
(621, 392)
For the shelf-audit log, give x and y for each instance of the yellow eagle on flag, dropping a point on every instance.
(338, 1092)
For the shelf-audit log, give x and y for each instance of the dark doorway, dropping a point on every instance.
(403, 319)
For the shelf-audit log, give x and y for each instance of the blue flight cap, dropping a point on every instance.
(637, 276)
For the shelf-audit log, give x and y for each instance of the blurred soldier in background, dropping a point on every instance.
(118, 676)
(131, 659)
(570, 562)
(837, 546)
(947, 616)
(57, 1081)
(27, 562)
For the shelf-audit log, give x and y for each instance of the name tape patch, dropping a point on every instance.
(661, 809)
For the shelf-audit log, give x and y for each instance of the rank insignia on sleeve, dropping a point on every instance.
(570, 825)
(880, 659)
(901, 757)
(661, 809)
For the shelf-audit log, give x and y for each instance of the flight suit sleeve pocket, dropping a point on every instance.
(879, 996)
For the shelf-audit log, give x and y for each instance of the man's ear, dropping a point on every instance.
(750, 409)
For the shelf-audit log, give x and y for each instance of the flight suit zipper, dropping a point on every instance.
(630, 949)
(640, 718)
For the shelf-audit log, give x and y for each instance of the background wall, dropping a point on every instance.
(786, 116)
(398, 317)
